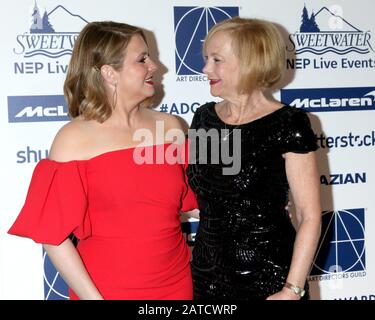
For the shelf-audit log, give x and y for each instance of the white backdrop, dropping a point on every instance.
(330, 73)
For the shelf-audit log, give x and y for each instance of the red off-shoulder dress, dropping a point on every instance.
(125, 215)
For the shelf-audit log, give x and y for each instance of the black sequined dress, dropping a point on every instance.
(244, 243)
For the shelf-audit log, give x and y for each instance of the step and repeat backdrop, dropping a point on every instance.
(330, 73)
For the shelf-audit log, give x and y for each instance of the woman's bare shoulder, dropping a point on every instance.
(70, 141)
(170, 121)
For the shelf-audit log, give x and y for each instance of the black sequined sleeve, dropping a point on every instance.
(297, 135)
(195, 123)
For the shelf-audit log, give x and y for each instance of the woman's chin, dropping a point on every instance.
(214, 93)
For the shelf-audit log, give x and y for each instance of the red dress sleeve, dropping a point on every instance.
(56, 204)
(189, 200)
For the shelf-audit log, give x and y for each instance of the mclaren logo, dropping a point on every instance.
(37, 108)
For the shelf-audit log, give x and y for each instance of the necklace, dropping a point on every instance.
(225, 138)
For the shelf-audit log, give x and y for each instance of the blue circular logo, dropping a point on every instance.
(55, 287)
(342, 244)
(191, 27)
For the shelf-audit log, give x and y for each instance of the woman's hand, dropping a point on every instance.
(192, 213)
(284, 294)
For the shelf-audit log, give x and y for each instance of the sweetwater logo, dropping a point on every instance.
(51, 35)
(37, 108)
(341, 249)
(328, 32)
(191, 25)
(330, 99)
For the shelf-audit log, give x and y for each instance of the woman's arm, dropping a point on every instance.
(302, 174)
(68, 262)
(192, 213)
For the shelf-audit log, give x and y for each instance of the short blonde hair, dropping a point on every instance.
(260, 49)
(99, 43)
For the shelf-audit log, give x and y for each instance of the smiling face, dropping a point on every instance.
(222, 65)
(134, 80)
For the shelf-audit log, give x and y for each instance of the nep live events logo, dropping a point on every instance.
(328, 33)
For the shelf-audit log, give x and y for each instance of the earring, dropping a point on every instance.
(114, 98)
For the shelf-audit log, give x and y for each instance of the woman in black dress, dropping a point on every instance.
(246, 246)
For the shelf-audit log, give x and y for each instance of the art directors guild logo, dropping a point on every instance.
(51, 36)
(327, 33)
(341, 249)
(191, 25)
(55, 287)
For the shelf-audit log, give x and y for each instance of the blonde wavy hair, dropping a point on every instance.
(99, 43)
(259, 47)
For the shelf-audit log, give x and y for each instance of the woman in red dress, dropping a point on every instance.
(124, 213)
